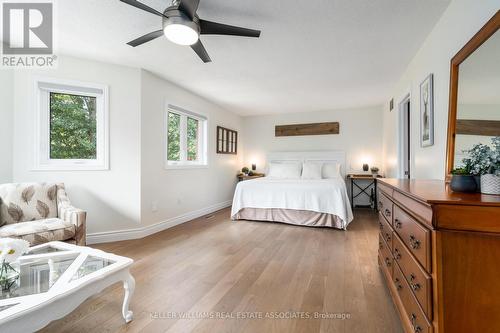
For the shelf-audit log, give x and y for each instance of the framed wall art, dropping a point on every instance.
(427, 111)
(227, 141)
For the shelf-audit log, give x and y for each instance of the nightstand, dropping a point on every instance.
(245, 177)
(364, 189)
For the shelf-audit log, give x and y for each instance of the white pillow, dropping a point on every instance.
(311, 170)
(284, 170)
(331, 170)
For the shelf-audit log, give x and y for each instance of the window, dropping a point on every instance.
(186, 138)
(72, 126)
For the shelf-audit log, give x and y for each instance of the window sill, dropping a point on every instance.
(185, 166)
(76, 167)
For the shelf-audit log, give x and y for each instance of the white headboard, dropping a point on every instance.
(328, 156)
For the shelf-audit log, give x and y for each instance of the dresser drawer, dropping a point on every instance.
(386, 189)
(424, 212)
(419, 281)
(385, 254)
(414, 313)
(385, 207)
(416, 237)
(385, 230)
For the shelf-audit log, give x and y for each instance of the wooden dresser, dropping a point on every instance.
(440, 254)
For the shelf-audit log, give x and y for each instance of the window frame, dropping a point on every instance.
(43, 88)
(183, 163)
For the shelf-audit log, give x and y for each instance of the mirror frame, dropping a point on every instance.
(472, 45)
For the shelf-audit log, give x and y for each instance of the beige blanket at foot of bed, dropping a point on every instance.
(291, 216)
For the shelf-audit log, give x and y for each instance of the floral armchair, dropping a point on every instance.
(40, 213)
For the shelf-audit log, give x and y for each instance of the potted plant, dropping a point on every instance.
(462, 180)
(374, 171)
(10, 250)
(490, 181)
(484, 163)
(245, 170)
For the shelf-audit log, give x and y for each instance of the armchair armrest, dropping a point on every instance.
(71, 214)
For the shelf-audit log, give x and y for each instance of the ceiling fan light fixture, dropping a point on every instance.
(182, 26)
(181, 34)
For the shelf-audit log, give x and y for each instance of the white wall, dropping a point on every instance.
(184, 191)
(6, 123)
(360, 136)
(461, 20)
(112, 197)
(120, 199)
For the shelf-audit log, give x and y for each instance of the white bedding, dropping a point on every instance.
(319, 195)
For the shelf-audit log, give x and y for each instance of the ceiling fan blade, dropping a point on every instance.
(214, 28)
(189, 7)
(201, 52)
(142, 6)
(146, 38)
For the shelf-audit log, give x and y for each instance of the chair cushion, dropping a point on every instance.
(41, 231)
(27, 202)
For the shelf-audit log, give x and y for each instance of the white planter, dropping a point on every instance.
(490, 184)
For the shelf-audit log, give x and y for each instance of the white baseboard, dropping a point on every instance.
(136, 233)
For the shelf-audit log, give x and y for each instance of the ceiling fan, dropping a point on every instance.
(181, 25)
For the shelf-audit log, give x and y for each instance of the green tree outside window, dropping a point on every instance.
(174, 137)
(192, 139)
(73, 126)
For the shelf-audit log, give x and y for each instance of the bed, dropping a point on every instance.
(311, 201)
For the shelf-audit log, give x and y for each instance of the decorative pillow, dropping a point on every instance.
(284, 170)
(331, 170)
(311, 170)
(27, 202)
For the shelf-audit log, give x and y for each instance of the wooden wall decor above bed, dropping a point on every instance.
(307, 129)
(478, 127)
(227, 141)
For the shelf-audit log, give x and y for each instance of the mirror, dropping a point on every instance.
(478, 100)
(474, 114)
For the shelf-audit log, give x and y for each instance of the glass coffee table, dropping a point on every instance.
(54, 279)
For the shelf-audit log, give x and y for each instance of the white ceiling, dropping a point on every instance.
(312, 55)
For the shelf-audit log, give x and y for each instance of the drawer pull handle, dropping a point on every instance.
(381, 226)
(388, 262)
(398, 284)
(414, 286)
(387, 212)
(397, 254)
(398, 224)
(380, 245)
(380, 204)
(387, 236)
(414, 243)
(416, 328)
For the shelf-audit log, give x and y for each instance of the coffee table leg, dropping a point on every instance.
(129, 286)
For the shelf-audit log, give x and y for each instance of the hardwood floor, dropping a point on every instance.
(214, 267)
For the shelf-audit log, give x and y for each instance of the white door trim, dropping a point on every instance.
(401, 134)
